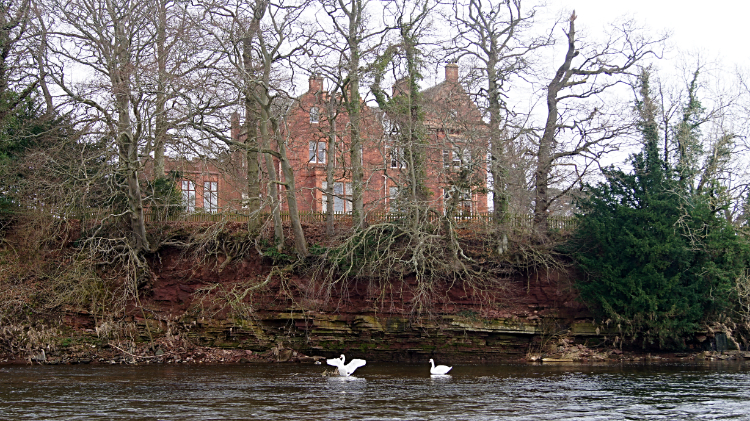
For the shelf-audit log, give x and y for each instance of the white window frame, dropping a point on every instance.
(314, 115)
(188, 195)
(342, 197)
(317, 153)
(396, 158)
(211, 196)
(467, 196)
(392, 196)
(456, 157)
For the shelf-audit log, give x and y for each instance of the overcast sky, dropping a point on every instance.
(716, 28)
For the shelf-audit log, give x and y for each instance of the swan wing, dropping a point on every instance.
(336, 362)
(354, 364)
(441, 369)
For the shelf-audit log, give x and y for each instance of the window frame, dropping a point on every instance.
(342, 197)
(211, 196)
(317, 152)
(393, 198)
(188, 199)
(466, 197)
(456, 157)
(396, 159)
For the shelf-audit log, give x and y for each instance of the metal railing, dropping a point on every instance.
(555, 222)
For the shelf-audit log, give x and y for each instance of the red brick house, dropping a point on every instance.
(316, 117)
(209, 185)
(456, 134)
(456, 155)
(457, 151)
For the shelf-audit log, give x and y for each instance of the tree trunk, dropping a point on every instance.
(273, 191)
(547, 142)
(497, 165)
(160, 119)
(278, 227)
(126, 142)
(252, 115)
(300, 243)
(330, 162)
(251, 156)
(355, 152)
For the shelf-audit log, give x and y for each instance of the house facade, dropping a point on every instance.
(209, 184)
(317, 134)
(456, 150)
(319, 139)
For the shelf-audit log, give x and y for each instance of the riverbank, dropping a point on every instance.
(181, 352)
(218, 309)
(311, 338)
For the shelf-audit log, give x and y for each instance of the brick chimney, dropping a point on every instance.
(400, 87)
(316, 83)
(235, 119)
(451, 72)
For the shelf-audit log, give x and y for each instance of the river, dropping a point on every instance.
(379, 391)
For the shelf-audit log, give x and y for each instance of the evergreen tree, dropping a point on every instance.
(23, 127)
(658, 260)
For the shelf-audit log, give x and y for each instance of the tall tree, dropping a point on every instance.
(18, 76)
(651, 249)
(171, 75)
(585, 73)
(260, 41)
(404, 109)
(109, 38)
(349, 22)
(492, 37)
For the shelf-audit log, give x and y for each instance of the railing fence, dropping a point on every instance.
(556, 222)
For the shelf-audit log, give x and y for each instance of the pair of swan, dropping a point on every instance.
(346, 370)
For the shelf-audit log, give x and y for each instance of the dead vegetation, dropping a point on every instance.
(413, 266)
(388, 267)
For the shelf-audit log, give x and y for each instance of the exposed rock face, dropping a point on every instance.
(209, 308)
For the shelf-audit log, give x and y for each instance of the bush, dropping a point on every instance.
(659, 259)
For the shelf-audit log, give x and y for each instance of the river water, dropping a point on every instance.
(377, 392)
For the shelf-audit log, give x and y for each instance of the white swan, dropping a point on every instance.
(439, 369)
(348, 369)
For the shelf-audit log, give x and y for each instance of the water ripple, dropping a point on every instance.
(378, 392)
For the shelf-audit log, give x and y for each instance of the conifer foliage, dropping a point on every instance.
(658, 259)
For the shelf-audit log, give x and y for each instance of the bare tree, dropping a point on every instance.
(18, 76)
(171, 74)
(585, 73)
(702, 130)
(492, 38)
(405, 108)
(259, 41)
(107, 39)
(349, 20)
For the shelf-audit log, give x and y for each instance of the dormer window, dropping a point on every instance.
(314, 115)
